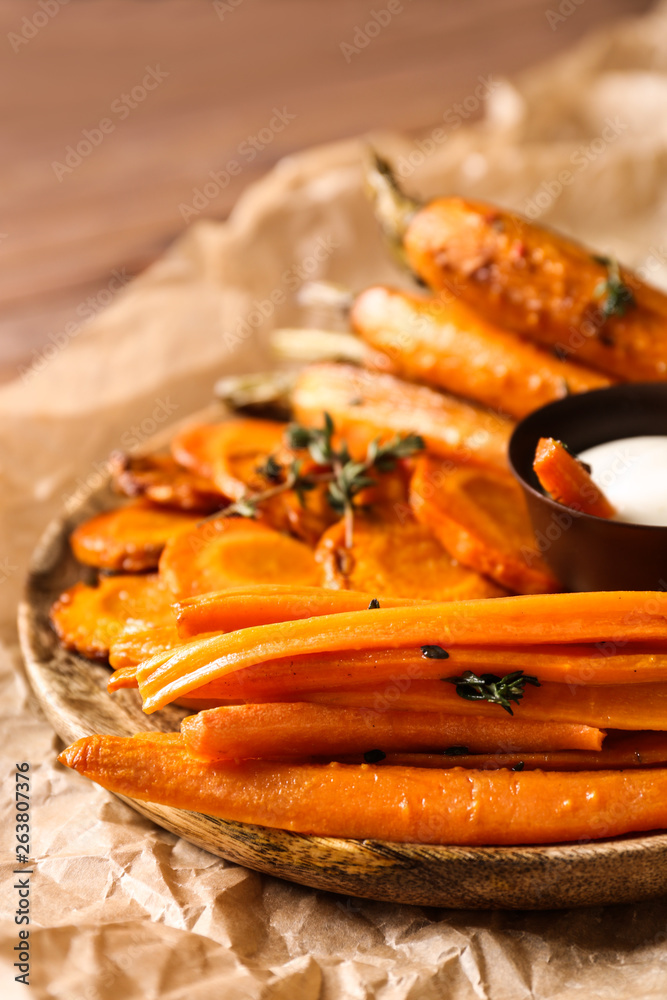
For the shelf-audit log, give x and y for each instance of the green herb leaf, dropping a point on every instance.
(489, 687)
(374, 756)
(434, 653)
(616, 298)
(374, 604)
(519, 766)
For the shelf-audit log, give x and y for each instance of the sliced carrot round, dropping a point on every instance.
(231, 552)
(225, 452)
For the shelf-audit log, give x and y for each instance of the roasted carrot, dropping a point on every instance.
(543, 285)
(129, 538)
(131, 647)
(89, 619)
(448, 345)
(614, 617)
(366, 405)
(122, 677)
(404, 804)
(481, 518)
(161, 479)
(210, 449)
(620, 750)
(295, 729)
(233, 551)
(397, 556)
(567, 480)
(608, 706)
(267, 604)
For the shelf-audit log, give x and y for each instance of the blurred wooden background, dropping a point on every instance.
(69, 237)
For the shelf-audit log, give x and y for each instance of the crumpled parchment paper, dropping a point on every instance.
(121, 908)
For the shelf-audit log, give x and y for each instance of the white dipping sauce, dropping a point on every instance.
(632, 472)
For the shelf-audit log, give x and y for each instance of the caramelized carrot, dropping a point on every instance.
(267, 604)
(396, 556)
(404, 804)
(366, 405)
(297, 729)
(542, 285)
(89, 619)
(567, 480)
(129, 538)
(130, 648)
(122, 677)
(481, 518)
(161, 479)
(446, 344)
(614, 617)
(233, 551)
(210, 449)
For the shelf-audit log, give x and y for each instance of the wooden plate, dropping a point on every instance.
(72, 692)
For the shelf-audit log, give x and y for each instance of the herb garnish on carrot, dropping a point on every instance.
(492, 688)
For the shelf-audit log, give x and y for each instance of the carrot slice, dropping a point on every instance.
(398, 557)
(448, 345)
(131, 647)
(619, 751)
(220, 450)
(267, 604)
(615, 617)
(366, 405)
(122, 677)
(232, 551)
(161, 479)
(129, 538)
(404, 804)
(542, 285)
(89, 619)
(295, 729)
(481, 518)
(567, 480)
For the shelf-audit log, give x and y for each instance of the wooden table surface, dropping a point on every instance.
(158, 93)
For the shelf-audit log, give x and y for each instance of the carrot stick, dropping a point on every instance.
(567, 480)
(610, 706)
(296, 729)
(448, 345)
(403, 804)
(617, 616)
(268, 604)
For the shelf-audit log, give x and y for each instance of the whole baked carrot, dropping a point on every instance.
(543, 285)
(448, 345)
(267, 604)
(366, 405)
(567, 480)
(297, 729)
(617, 616)
(403, 804)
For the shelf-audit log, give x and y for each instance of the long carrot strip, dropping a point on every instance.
(404, 804)
(567, 481)
(298, 728)
(267, 604)
(617, 616)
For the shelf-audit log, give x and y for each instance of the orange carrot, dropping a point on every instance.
(122, 677)
(481, 518)
(617, 616)
(200, 447)
(448, 345)
(130, 648)
(403, 804)
(295, 729)
(161, 479)
(267, 604)
(567, 480)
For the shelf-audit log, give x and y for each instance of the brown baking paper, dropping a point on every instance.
(119, 907)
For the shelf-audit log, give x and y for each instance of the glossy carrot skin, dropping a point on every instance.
(369, 404)
(298, 729)
(448, 345)
(567, 481)
(402, 804)
(544, 286)
(615, 617)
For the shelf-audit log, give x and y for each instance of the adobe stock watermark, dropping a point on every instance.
(120, 108)
(364, 34)
(580, 159)
(247, 151)
(454, 117)
(565, 9)
(31, 25)
(224, 7)
(85, 310)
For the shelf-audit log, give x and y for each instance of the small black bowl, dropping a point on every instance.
(587, 552)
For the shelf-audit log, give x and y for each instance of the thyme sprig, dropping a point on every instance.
(344, 477)
(616, 297)
(489, 687)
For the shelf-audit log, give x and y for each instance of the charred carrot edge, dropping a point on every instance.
(298, 729)
(617, 616)
(267, 604)
(401, 804)
(447, 344)
(567, 481)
